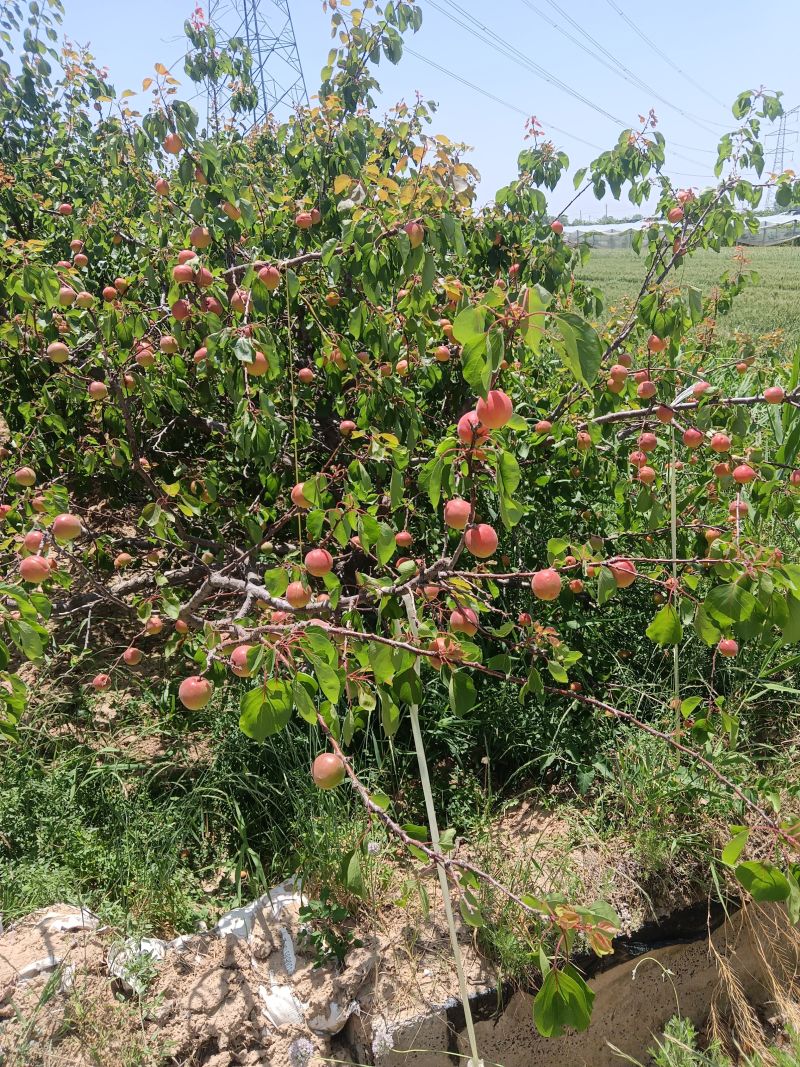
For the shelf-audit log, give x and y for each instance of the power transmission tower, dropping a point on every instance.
(779, 155)
(266, 29)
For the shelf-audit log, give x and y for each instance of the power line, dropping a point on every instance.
(506, 49)
(664, 56)
(520, 111)
(595, 49)
(497, 99)
(499, 44)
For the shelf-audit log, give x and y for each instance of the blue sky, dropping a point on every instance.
(722, 47)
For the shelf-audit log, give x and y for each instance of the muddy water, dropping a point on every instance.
(745, 966)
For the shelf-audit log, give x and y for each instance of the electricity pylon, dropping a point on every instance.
(266, 29)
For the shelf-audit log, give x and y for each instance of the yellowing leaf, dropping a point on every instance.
(418, 153)
(159, 68)
(389, 184)
(128, 92)
(341, 182)
(146, 84)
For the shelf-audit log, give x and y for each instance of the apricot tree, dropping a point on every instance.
(289, 406)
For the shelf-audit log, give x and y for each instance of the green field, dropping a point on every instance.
(774, 303)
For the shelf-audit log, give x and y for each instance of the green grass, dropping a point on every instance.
(774, 303)
(679, 1047)
(154, 843)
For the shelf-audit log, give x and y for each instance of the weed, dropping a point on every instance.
(323, 928)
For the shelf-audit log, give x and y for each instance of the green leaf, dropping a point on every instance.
(762, 881)
(735, 847)
(469, 325)
(606, 586)
(266, 710)
(302, 698)
(791, 628)
(689, 705)
(435, 483)
(704, 627)
(390, 715)
(386, 544)
(582, 350)
(351, 874)
(665, 629)
(470, 911)
(535, 299)
(534, 684)
(462, 692)
(563, 1000)
(475, 366)
(793, 903)
(382, 663)
(729, 604)
(508, 473)
(695, 304)
(328, 679)
(557, 671)
(428, 272)
(29, 640)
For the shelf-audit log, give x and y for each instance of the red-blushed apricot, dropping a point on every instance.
(66, 527)
(546, 584)
(415, 232)
(728, 648)
(446, 648)
(744, 474)
(464, 621)
(173, 143)
(469, 429)
(318, 562)
(270, 277)
(327, 771)
(195, 692)
(624, 572)
(199, 237)
(297, 594)
(239, 661)
(25, 476)
(456, 513)
(481, 540)
(34, 569)
(496, 410)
